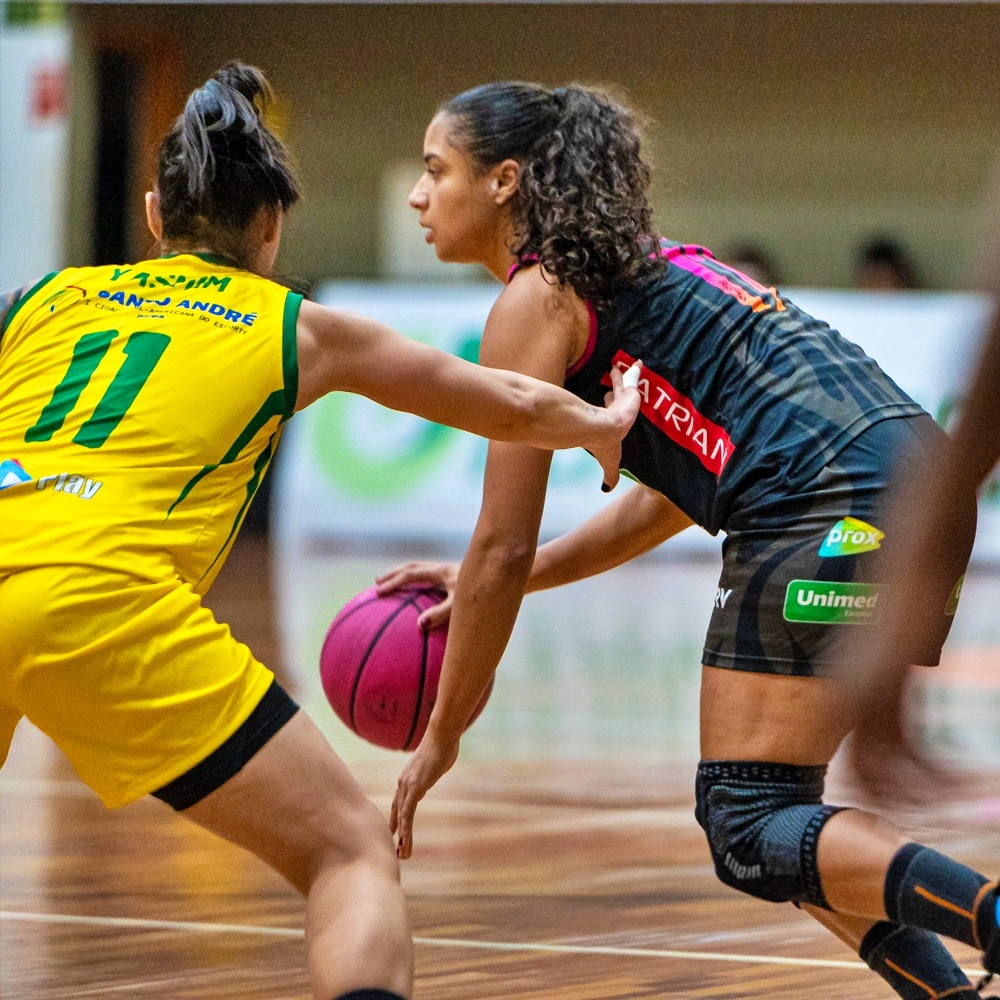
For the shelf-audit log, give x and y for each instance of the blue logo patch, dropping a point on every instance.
(12, 474)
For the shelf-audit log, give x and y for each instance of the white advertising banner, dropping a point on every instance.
(351, 469)
(34, 149)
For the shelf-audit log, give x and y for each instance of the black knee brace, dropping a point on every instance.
(763, 823)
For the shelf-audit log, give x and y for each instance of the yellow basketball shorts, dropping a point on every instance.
(135, 681)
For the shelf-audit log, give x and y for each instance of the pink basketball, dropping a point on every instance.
(380, 670)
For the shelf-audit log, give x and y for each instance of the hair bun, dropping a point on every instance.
(248, 81)
(220, 163)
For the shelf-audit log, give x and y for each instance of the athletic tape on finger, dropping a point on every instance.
(631, 378)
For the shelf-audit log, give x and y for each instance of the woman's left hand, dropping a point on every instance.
(443, 575)
(622, 405)
(433, 758)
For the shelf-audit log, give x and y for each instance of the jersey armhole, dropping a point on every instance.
(588, 351)
(23, 294)
(290, 351)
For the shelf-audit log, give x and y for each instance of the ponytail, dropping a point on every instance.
(220, 163)
(582, 207)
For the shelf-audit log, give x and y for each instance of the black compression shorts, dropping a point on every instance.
(272, 712)
(798, 570)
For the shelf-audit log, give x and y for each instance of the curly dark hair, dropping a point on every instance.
(582, 207)
(220, 163)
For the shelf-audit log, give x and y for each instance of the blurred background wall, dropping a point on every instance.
(802, 128)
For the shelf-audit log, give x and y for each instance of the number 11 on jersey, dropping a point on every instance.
(142, 352)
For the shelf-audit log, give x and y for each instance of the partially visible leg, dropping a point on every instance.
(850, 930)
(913, 962)
(863, 865)
(296, 807)
(135, 679)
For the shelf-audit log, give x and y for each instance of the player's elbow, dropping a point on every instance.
(526, 409)
(506, 557)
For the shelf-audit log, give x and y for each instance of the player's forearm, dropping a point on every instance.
(976, 439)
(493, 403)
(555, 418)
(507, 406)
(491, 578)
(635, 523)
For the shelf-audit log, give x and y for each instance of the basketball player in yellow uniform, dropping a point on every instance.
(141, 406)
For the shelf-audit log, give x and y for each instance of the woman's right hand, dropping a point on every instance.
(433, 758)
(443, 575)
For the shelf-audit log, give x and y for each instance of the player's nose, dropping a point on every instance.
(417, 198)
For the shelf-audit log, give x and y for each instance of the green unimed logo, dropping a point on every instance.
(831, 603)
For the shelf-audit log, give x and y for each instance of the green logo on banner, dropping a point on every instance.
(956, 592)
(381, 472)
(830, 602)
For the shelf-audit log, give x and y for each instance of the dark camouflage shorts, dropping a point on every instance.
(798, 570)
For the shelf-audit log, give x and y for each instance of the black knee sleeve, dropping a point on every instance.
(763, 823)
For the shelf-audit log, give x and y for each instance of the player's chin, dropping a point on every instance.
(453, 253)
(446, 254)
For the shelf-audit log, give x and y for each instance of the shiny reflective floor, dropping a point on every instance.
(559, 859)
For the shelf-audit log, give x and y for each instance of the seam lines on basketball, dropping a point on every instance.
(368, 652)
(420, 693)
(357, 607)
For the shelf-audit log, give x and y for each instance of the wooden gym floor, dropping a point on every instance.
(560, 859)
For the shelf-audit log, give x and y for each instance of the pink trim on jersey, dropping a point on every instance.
(591, 343)
(591, 337)
(679, 256)
(531, 258)
(672, 413)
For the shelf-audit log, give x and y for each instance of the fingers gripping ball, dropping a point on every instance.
(380, 670)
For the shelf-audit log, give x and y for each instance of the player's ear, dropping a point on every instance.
(153, 218)
(272, 218)
(505, 180)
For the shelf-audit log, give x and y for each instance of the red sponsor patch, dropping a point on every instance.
(676, 416)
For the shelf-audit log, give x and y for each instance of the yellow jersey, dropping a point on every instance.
(139, 409)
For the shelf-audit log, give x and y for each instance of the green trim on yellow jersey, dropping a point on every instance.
(15, 308)
(259, 468)
(273, 407)
(280, 403)
(210, 258)
(290, 350)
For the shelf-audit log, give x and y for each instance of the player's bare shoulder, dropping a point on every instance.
(534, 304)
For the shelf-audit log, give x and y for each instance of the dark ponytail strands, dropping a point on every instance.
(583, 206)
(220, 163)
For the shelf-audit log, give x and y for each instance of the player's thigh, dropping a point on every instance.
(773, 633)
(296, 806)
(770, 717)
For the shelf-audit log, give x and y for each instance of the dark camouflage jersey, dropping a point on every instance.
(744, 394)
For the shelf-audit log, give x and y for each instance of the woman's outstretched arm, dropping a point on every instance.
(344, 351)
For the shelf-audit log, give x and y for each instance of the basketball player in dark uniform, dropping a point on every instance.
(758, 421)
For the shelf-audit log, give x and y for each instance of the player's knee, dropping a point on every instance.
(379, 847)
(366, 839)
(340, 839)
(763, 823)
